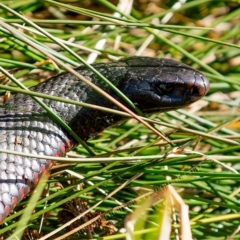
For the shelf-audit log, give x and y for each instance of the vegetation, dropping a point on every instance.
(40, 38)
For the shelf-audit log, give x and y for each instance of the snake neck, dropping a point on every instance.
(88, 122)
(85, 122)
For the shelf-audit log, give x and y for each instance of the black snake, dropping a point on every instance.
(153, 85)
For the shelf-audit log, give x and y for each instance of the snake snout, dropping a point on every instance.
(196, 88)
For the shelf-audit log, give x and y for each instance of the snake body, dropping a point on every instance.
(153, 85)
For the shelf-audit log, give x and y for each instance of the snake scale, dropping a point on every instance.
(153, 85)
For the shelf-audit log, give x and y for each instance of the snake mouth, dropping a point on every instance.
(189, 91)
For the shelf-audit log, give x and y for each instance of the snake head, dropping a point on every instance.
(157, 85)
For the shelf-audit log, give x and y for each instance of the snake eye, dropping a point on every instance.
(165, 88)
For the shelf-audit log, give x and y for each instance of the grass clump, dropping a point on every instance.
(42, 38)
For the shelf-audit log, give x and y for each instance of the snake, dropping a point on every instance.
(154, 85)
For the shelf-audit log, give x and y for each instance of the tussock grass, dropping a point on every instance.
(42, 38)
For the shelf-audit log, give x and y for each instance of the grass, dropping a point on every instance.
(202, 160)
